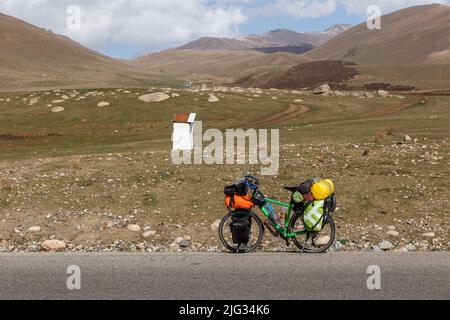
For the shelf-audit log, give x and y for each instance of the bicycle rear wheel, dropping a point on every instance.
(256, 235)
(313, 242)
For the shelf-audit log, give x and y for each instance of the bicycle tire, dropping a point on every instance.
(232, 249)
(323, 249)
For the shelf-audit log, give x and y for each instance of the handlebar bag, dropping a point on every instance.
(259, 199)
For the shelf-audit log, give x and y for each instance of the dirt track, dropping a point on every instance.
(290, 113)
(389, 109)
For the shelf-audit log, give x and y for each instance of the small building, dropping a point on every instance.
(183, 132)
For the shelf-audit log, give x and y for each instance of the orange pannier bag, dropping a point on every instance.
(239, 202)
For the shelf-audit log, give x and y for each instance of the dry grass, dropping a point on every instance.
(384, 133)
(7, 185)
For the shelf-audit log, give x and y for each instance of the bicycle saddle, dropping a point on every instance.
(291, 189)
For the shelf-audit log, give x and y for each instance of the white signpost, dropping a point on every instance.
(183, 132)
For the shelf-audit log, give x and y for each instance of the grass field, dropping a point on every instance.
(84, 174)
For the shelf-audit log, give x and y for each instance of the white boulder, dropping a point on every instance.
(154, 97)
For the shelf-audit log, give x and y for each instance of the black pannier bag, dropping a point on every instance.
(330, 204)
(241, 226)
(230, 190)
(305, 187)
(241, 189)
(329, 207)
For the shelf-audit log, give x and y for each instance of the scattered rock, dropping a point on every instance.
(322, 241)
(376, 248)
(53, 245)
(383, 93)
(148, 234)
(184, 243)
(215, 226)
(213, 99)
(429, 234)
(57, 109)
(324, 90)
(410, 247)
(178, 240)
(154, 97)
(103, 104)
(408, 138)
(34, 229)
(393, 233)
(134, 228)
(386, 245)
(33, 101)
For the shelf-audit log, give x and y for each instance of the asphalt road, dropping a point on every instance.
(225, 276)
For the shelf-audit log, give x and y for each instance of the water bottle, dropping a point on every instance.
(271, 210)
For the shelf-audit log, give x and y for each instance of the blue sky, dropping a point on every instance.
(128, 28)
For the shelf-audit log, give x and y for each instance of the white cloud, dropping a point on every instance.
(298, 8)
(131, 22)
(360, 6)
(144, 25)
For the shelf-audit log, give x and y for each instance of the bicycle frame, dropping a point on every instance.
(283, 232)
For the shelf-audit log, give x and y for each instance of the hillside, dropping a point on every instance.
(313, 73)
(34, 57)
(243, 58)
(410, 36)
(219, 65)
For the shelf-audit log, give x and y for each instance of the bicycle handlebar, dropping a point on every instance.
(251, 182)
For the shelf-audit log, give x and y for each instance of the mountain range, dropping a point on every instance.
(412, 48)
(276, 38)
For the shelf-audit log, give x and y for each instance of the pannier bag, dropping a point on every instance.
(306, 186)
(314, 216)
(330, 204)
(239, 202)
(230, 190)
(240, 227)
(323, 189)
(241, 189)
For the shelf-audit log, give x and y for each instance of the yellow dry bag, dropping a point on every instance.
(323, 189)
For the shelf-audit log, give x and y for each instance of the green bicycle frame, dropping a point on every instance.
(283, 232)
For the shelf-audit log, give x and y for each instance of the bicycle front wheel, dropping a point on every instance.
(256, 235)
(313, 242)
